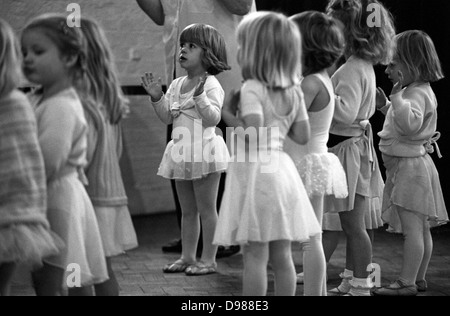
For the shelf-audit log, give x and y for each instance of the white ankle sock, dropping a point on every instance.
(345, 285)
(360, 287)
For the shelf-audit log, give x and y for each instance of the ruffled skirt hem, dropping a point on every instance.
(413, 184)
(28, 244)
(187, 162)
(322, 174)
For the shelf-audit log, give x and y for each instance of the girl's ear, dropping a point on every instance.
(70, 61)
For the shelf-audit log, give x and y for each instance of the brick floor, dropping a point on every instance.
(139, 271)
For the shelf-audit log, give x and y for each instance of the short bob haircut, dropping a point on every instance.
(323, 42)
(214, 48)
(269, 49)
(370, 43)
(69, 40)
(10, 62)
(417, 51)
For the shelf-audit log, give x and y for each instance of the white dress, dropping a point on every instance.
(264, 198)
(321, 171)
(196, 149)
(62, 132)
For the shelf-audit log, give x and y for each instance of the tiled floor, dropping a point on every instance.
(139, 272)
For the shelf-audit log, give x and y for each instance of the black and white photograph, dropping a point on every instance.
(224, 152)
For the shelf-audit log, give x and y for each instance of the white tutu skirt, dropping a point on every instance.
(264, 203)
(182, 161)
(72, 217)
(116, 229)
(413, 184)
(322, 174)
(28, 244)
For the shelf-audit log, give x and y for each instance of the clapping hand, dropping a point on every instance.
(200, 88)
(154, 89)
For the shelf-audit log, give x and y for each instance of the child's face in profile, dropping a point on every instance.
(191, 57)
(42, 61)
(397, 70)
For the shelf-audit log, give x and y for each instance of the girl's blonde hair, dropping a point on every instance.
(69, 40)
(269, 49)
(366, 39)
(322, 40)
(417, 51)
(103, 84)
(214, 47)
(10, 61)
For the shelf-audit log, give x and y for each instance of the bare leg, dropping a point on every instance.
(206, 191)
(256, 257)
(358, 242)
(314, 263)
(190, 228)
(110, 287)
(48, 281)
(330, 241)
(7, 271)
(82, 291)
(428, 243)
(283, 266)
(414, 246)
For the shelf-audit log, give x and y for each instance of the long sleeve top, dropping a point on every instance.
(62, 132)
(105, 184)
(355, 87)
(411, 122)
(23, 194)
(186, 111)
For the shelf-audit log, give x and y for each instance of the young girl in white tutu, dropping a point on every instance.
(322, 173)
(196, 156)
(413, 200)
(265, 205)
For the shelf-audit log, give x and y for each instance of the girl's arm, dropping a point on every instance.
(251, 112)
(409, 114)
(311, 89)
(154, 9)
(160, 102)
(300, 131)
(348, 96)
(162, 109)
(382, 102)
(57, 125)
(237, 7)
(208, 102)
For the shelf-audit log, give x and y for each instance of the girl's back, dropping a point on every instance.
(279, 109)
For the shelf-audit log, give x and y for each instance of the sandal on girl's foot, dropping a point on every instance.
(201, 268)
(422, 286)
(177, 267)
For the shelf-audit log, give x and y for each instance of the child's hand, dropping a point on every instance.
(381, 98)
(200, 88)
(399, 85)
(231, 104)
(154, 89)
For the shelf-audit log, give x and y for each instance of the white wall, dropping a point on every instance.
(135, 39)
(137, 45)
